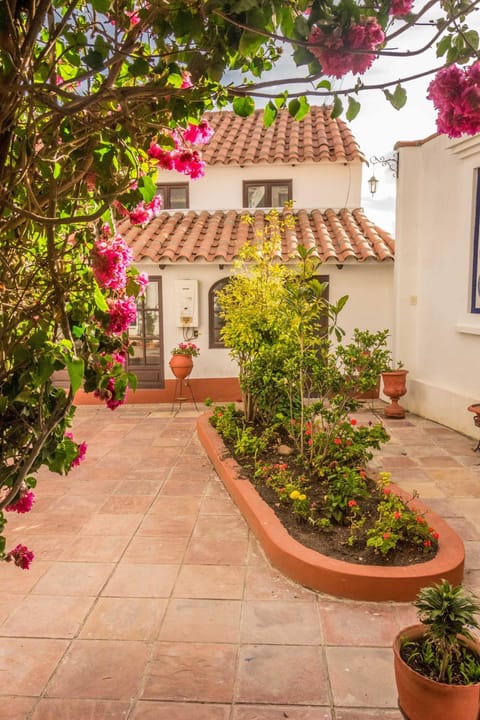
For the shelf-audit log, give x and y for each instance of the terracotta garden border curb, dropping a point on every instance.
(320, 572)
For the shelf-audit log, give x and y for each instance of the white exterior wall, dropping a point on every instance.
(314, 185)
(436, 336)
(370, 305)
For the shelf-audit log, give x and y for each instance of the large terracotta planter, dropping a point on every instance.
(420, 698)
(394, 387)
(323, 573)
(181, 365)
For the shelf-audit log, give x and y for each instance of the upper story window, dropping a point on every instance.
(215, 322)
(266, 193)
(175, 195)
(475, 303)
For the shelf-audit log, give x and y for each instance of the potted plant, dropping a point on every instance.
(181, 362)
(437, 662)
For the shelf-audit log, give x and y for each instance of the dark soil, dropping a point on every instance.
(334, 540)
(412, 653)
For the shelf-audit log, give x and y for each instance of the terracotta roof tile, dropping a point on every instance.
(337, 236)
(246, 141)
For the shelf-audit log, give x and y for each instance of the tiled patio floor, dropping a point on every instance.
(149, 599)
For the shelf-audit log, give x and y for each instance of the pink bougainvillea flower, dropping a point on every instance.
(401, 7)
(142, 281)
(189, 162)
(82, 451)
(21, 556)
(110, 260)
(333, 49)
(455, 93)
(198, 134)
(134, 18)
(144, 212)
(122, 313)
(108, 394)
(23, 504)
(186, 80)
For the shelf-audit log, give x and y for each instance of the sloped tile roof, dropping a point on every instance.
(246, 141)
(338, 236)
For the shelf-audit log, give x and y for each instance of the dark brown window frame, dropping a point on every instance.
(163, 189)
(152, 375)
(213, 341)
(268, 190)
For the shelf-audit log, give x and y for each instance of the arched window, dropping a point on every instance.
(215, 322)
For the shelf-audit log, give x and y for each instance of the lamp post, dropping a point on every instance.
(390, 162)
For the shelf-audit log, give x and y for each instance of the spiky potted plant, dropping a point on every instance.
(437, 662)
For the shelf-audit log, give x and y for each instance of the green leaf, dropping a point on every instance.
(302, 27)
(243, 5)
(75, 368)
(147, 188)
(353, 109)
(471, 38)
(99, 298)
(45, 368)
(269, 114)
(94, 59)
(302, 56)
(337, 108)
(250, 42)
(101, 6)
(139, 67)
(298, 108)
(243, 106)
(324, 84)
(398, 98)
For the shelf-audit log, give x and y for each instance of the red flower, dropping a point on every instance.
(352, 503)
(420, 519)
(435, 535)
(386, 536)
(397, 515)
(387, 490)
(427, 543)
(353, 421)
(337, 441)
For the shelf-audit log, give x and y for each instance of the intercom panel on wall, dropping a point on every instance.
(186, 295)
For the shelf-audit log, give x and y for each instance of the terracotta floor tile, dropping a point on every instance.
(191, 671)
(58, 523)
(169, 549)
(221, 505)
(17, 708)
(280, 622)
(171, 506)
(438, 461)
(138, 486)
(264, 582)
(210, 581)
(275, 712)
(8, 603)
(146, 710)
(65, 578)
(96, 548)
(107, 669)
(126, 504)
(207, 621)
(60, 709)
(97, 486)
(185, 485)
(221, 527)
(356, 623)
(27, 663)
(157, 525)
(124, 618)
(137, 580)
(216, 552)
(351, 671)
(46, 547)
(357, 714)
(112, 524)
(14, 580)
(79, 503)
(283, 675)
(47, 616)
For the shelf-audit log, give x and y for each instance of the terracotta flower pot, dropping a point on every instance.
(395, 386)
(420, 698)
(181, 365)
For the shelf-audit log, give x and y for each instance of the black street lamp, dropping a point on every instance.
(390, 162)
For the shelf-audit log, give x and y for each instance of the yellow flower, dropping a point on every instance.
(302, 497)
(294, 495)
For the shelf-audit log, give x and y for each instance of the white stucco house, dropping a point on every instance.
(189, 248)
(437, 277)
